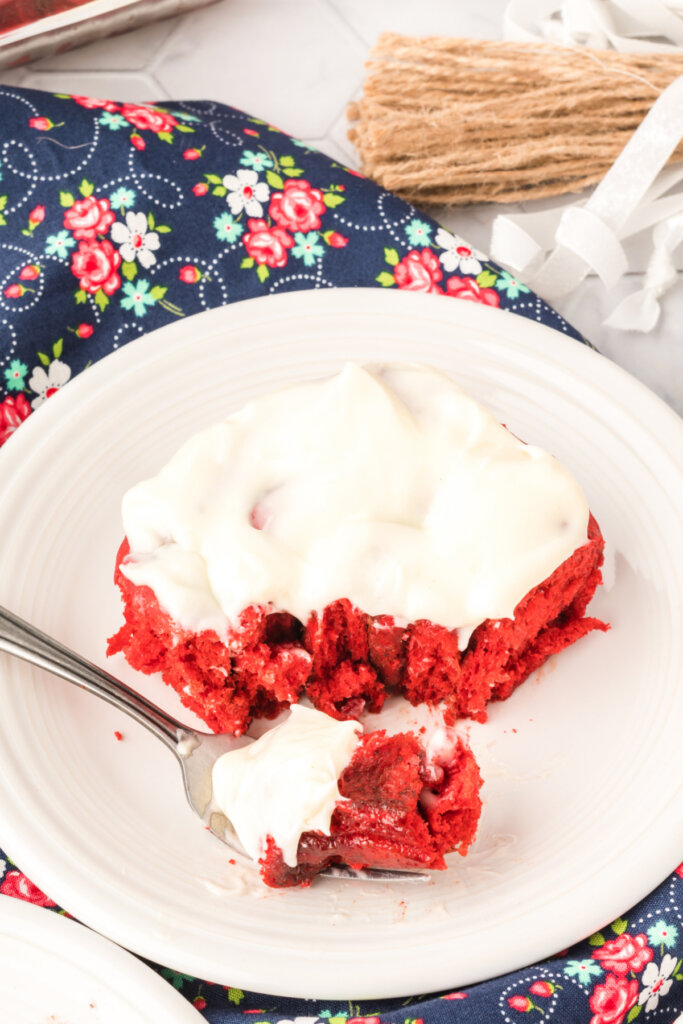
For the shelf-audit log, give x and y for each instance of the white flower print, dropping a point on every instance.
(300, 1020)
(458, 255)
(45, 384)
(657, 981)
(246, 192)
(134, 240)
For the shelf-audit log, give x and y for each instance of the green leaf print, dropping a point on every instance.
(274, 180)
(486, 279)
(129, 270)
(385, 279)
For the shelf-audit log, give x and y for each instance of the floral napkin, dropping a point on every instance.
(117, 218)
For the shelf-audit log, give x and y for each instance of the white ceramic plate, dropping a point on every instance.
(582, 766)
(53, 969)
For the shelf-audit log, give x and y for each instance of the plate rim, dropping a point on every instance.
(47, 930)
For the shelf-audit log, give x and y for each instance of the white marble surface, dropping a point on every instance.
(298, 63)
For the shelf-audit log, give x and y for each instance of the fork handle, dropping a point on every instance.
(24, 641)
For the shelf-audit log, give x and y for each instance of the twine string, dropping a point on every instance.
(453, 121)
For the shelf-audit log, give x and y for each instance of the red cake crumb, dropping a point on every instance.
(396, 812)
(260, 670)
(347, 662)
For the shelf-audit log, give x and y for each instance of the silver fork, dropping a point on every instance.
(195, 751)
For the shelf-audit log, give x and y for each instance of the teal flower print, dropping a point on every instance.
(257, 161)
(15, 375)
(661, 933)
(304, 145)
(123, 198)
(113, 121)
(59, 244)
(510, 285)
(307, 247)
(227, 228)
(137, 296)
(583, 970)
(419, 232)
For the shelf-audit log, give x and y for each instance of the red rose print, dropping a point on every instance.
(267, 245)
(13, 411)
(95, 265)
(146, 119)
(521, 1003)
(17, 884)
(542, 988)
(611, 1002)
(250, 131)
(37, 215)
(29, 273)
(92, 104)
(625, 953)
(298, 207)
(418, 272)
(336, 240)
(679, 870)
(200, 189)
(192, 154)
(138, 141)
(369, 1020)
(41, 124)
(467, 288)
(189, 274)
(84, 330)
(88, 218)
(14, 291)
(455, 995)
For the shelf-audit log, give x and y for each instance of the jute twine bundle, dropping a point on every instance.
(450, 121)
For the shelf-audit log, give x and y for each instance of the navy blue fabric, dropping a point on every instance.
(118, 218)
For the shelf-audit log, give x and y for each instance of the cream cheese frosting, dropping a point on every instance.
(387, 485)
(286, 782)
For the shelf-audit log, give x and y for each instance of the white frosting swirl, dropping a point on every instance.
(285, 783)
(386, 485)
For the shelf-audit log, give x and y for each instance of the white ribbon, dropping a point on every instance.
(631, 26)
(587, 237)
(640, 310)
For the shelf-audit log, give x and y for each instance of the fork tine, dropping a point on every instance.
(373, 874)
